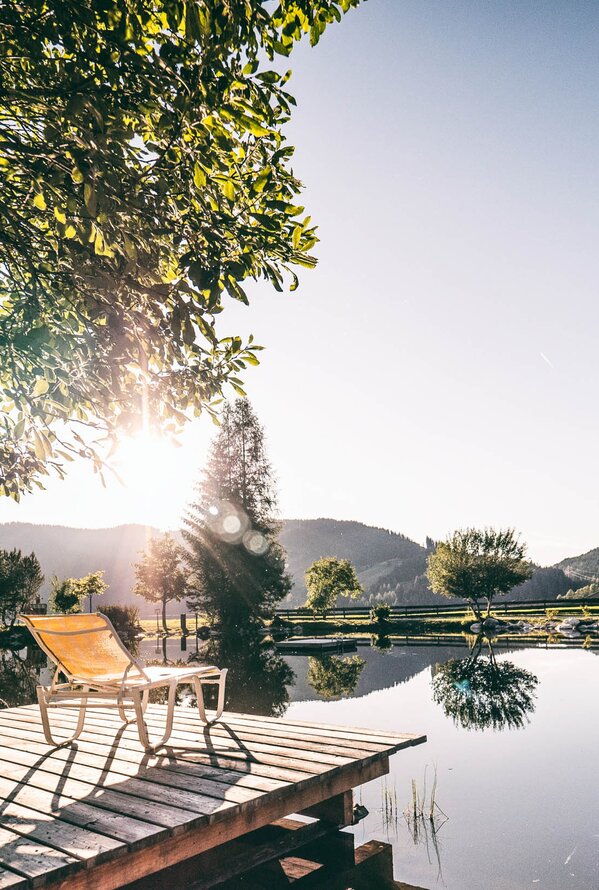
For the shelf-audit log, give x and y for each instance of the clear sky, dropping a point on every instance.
(439, 368)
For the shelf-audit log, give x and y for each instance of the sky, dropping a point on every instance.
(439, 368)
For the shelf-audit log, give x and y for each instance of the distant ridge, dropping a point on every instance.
(389, 565)
(583, 568)
(73, 552)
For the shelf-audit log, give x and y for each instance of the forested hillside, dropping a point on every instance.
(583, 568)
(390, 566)
(73, 552)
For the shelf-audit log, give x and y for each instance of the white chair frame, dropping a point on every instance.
(77, 691)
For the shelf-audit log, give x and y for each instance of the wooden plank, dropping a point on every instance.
(145, 810)
(176, 791)
(243, 819)
(237, 764)
(187, 719)
(188, 762)
(212, 868)
(34, 861)
(304, 761)
(56, 803)
(218, 739)
(8, 879)
(362, 732)
(79, 842)
(164, 771)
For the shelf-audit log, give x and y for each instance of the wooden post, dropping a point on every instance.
(338, 810)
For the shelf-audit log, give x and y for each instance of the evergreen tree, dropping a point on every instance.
(237, 564)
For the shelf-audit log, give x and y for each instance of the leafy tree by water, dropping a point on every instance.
(237, 565)
(144, 177)
(328, 578)
(160, 573)
(478, 564)
(20, 581)
(334, 677)
(69, 594)
(480, 692)
(90, 586)
(64, 596)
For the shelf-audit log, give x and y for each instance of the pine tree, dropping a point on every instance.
(237, 564)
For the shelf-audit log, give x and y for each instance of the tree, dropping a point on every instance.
(20, 580)
(144, 176)
(237, 565)
(65, 596)
(125, 620)
(160, 575)
(475, 564)
(92, 585)
(328, 578)
(68, 595)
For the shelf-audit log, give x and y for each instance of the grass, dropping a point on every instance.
(456, 623)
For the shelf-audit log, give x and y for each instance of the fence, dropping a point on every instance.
(530, 607)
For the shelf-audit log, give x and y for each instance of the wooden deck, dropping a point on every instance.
(103, 814)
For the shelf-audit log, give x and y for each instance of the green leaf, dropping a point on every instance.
(262, 179)
(199, 177)
(41, 387)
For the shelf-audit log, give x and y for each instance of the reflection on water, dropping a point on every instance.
(258, 678)
(522, 806)
(334, 677)
(480, 692)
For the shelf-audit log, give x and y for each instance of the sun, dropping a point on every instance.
(140, 459)
(150, 471)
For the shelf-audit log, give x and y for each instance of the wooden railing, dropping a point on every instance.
(512, 607)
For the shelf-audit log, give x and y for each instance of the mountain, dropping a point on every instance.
(74, 552)
(389, 565)
(583, 568)
(375, 552)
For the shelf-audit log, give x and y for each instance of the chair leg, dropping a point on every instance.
(197, 682)
(144, 704)
(221, 694)
(140, 703)
(42, 698)
(200, 699)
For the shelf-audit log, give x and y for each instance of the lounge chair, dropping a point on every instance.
(88, 652)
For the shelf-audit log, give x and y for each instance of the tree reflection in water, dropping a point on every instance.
(19, 676)
(480, 692)
(334, 677)
(257, 678)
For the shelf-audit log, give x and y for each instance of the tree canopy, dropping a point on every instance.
(238, 572)
(20, 580)
(160, 574)
(328, 578)
(476, 564)
(69, 594)
(144, 176)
